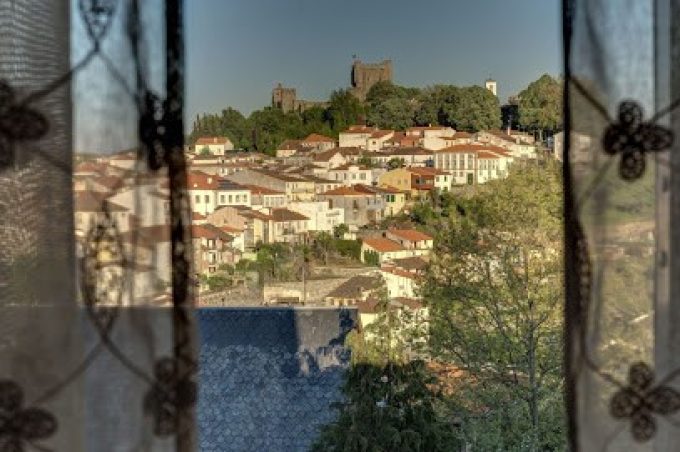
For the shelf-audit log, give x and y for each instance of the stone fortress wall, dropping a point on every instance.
(363, 77)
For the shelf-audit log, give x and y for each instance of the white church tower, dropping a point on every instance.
(492, 86)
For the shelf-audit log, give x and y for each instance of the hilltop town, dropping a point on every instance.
(335, 198)
(323, 220)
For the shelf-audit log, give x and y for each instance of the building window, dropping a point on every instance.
(206, 198)
(230, 199)
(197, 199)
(221, 199)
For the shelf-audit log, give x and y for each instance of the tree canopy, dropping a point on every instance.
(387, 106)
(494, 291)
(540, 105)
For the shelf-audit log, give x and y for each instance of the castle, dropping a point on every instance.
(286, 99)
(363, 77)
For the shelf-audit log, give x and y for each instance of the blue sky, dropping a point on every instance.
(237, 50)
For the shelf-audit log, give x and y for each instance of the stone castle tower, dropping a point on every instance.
(366, 75)
(284, 98)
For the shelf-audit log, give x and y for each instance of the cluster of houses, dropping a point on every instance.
(242, 199)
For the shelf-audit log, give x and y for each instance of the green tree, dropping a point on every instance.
(348, 248)
(371, 258)
(344, 110)
(230, 123)
(205, 151)
(430, 105)
(340, 230)
(494, 291)
(391, 402)
(385, 90)
(322, 246)
(218, 282)
(471, 109)
(394, 113)
(270, 127)
(540, 105)
(395, 162)
(366, 160)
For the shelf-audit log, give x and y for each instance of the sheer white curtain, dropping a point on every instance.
(96, 329)
(621, 210)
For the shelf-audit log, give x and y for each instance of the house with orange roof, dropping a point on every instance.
(356, 136)
(289, 148)
(365, 137)
(321, 216)
(296, 187)
(197, 218)
(382, 249)
(417, 182)
(517, 145)
(331, 158)
(408, 155)
(474, 163)
(459, 137)
(318, 142)
(377, 140)
(431, 137)
(256, 225)
(400, 283)
(202, 188)
(288, 226)
(265, 197)
(411, 239)
(214, 145)
(212, 247)
(401, 139)
(350, 174)
(360, 207)
(394, 200)
(229, 193)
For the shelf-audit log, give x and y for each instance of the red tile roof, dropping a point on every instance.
(411, 235)
(287, 215)
(259, 190)
(344, 191)
(197, 180)
(381, 133)
(347, 166)
(359, 129)
(325, 156)
(208, 231)
(212, 140)
(425, 171)
(473, 148)
(399, 272)
(318, 138)
(382, 245)
(487, 155)
(422, 128)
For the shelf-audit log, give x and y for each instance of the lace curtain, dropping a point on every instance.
(96, 329)
(622, 178)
